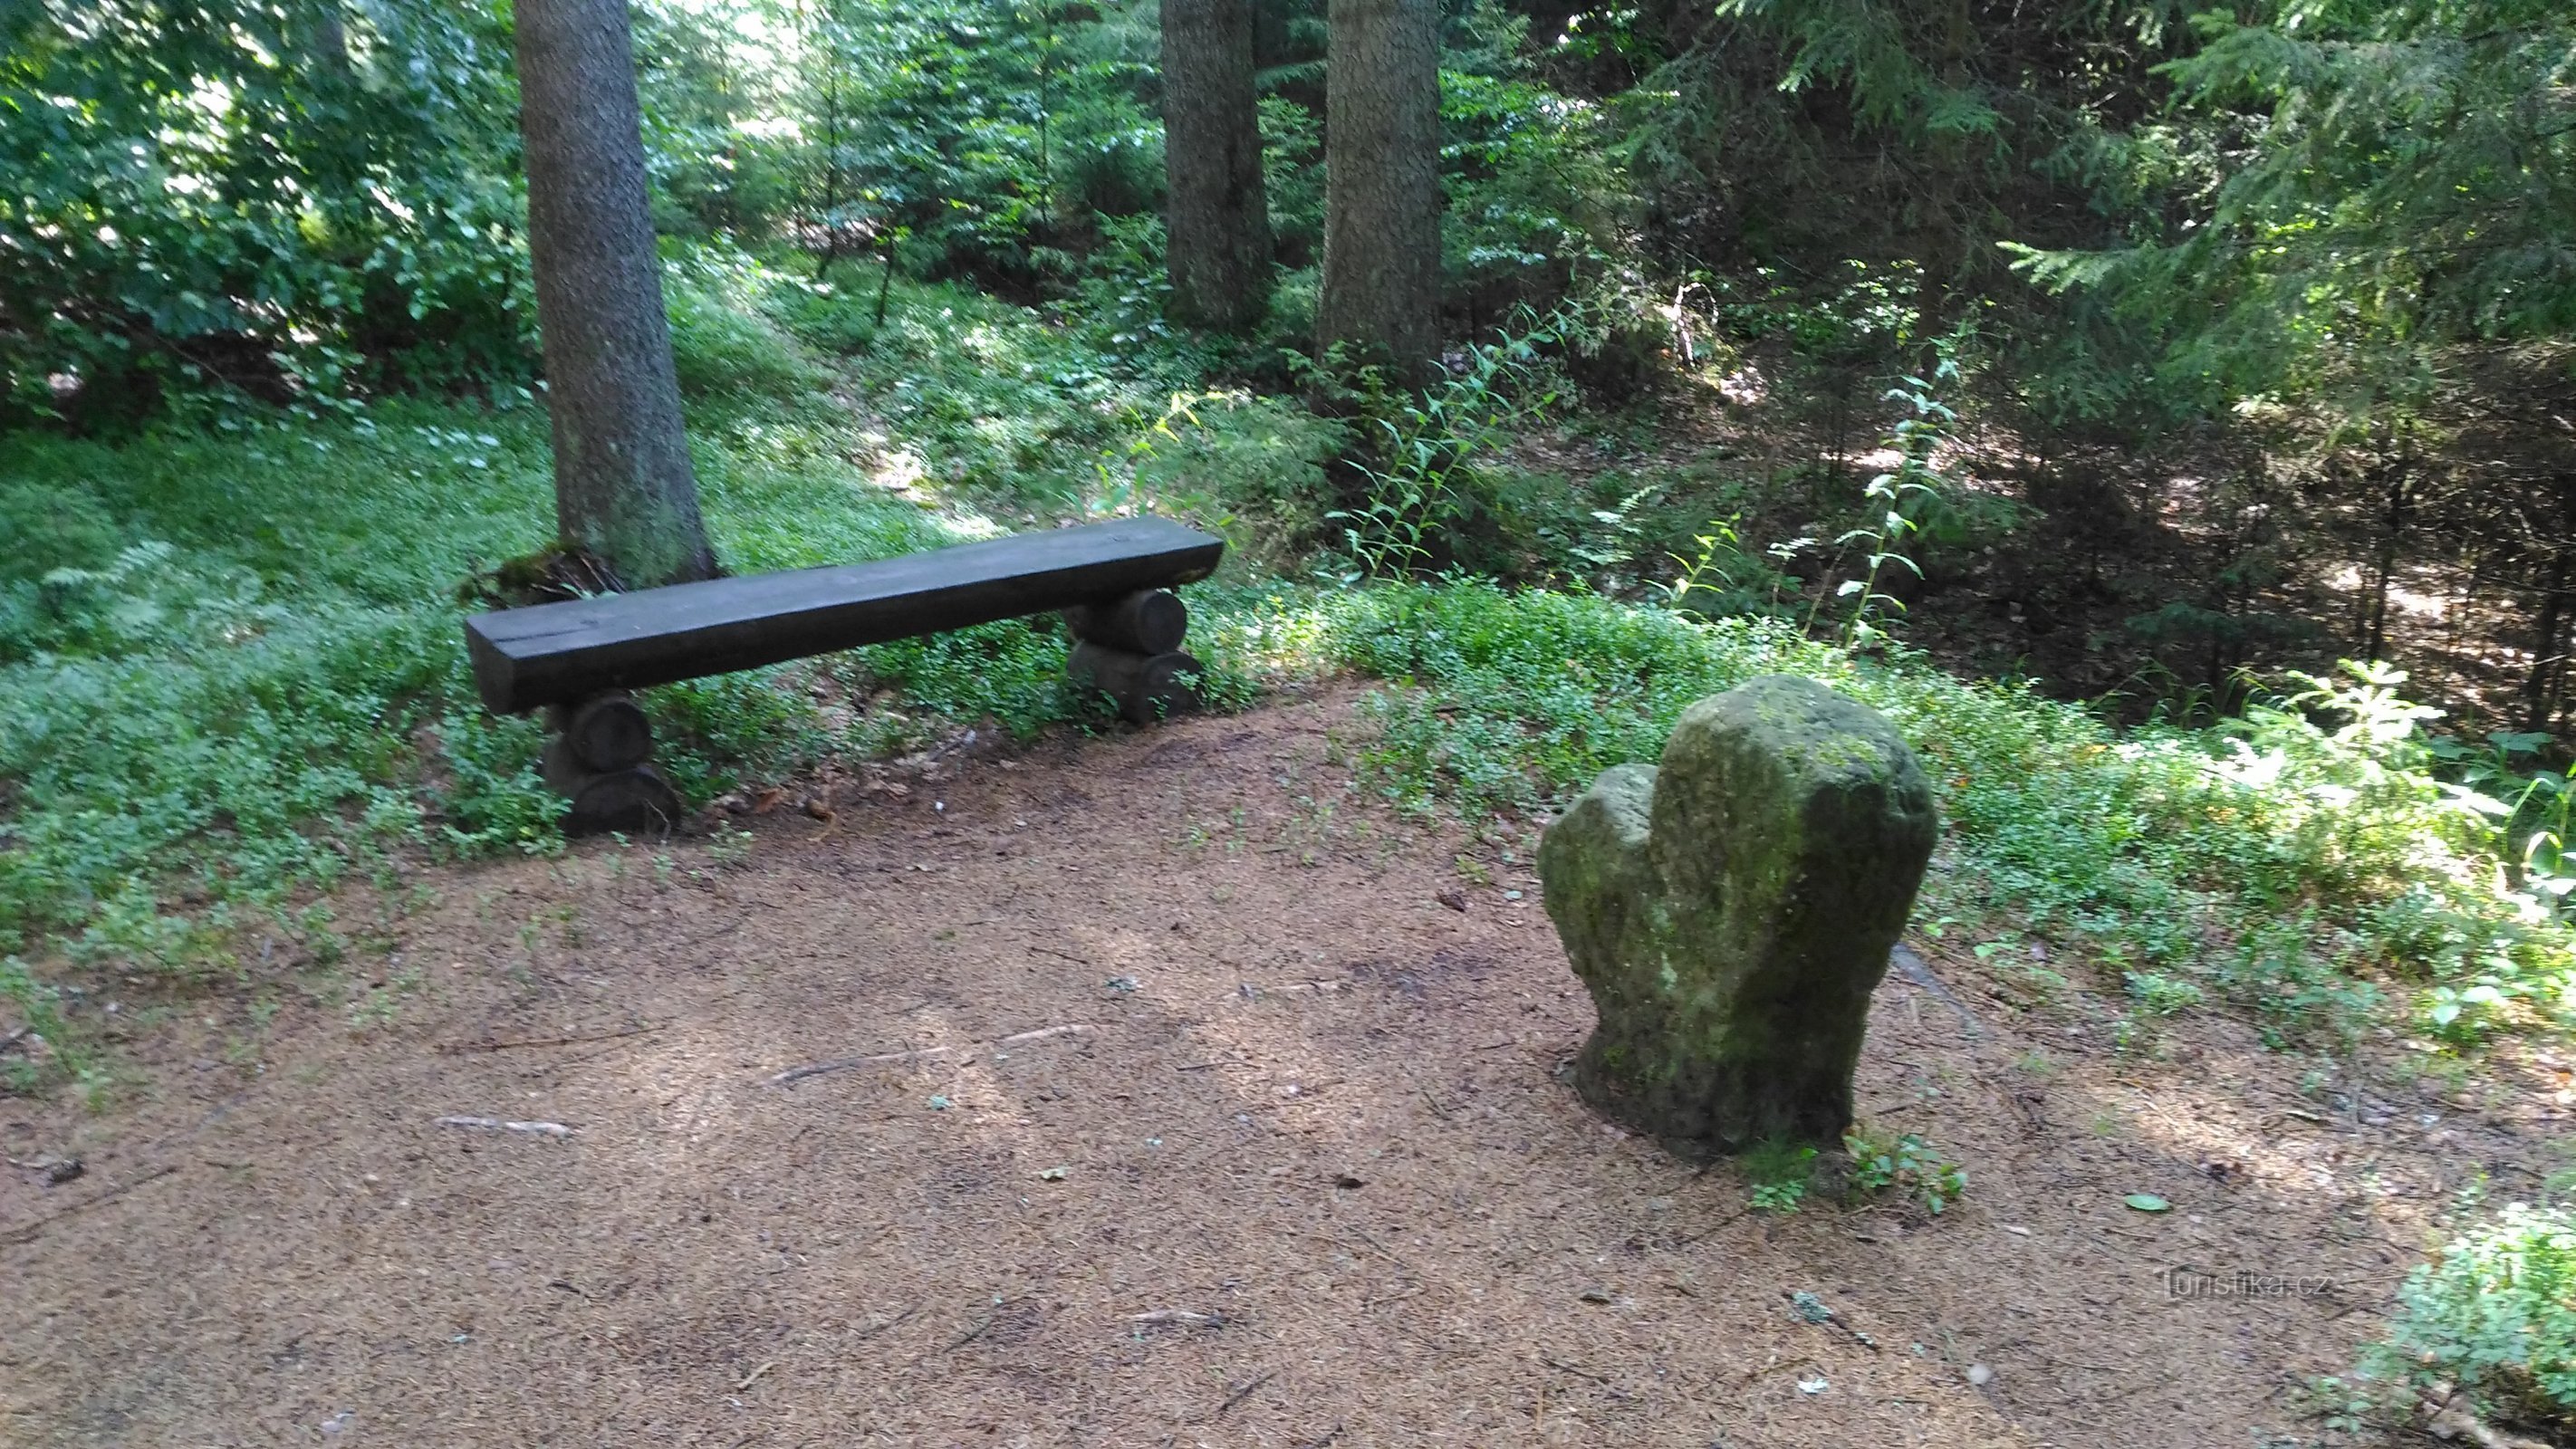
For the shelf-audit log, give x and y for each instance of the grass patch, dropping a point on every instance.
(231, 674)
(231, 664)
(2301, 867)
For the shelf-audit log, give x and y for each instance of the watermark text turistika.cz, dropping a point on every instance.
(2195, 1283)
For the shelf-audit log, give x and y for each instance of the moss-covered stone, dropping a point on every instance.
(1732, 909)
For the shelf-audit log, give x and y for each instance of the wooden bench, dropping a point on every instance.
(578, 659)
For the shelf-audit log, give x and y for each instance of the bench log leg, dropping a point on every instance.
(599, 756)
(1129, 649)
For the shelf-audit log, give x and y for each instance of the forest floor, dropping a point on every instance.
(1198, 1117)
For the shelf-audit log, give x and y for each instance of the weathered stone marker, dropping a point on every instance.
(1731, 910)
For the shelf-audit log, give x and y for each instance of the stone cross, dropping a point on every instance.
(1731, 909)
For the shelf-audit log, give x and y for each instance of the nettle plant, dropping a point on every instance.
(2533, 808)
(2354, 859)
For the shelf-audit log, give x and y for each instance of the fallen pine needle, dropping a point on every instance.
(1241, 1394)
(898, 1320)
(793, 1075)
(495, 1124)
(1181, 1316)
(753, 1377)
(459, 1048)
(1042, 1033)
(26, 1232)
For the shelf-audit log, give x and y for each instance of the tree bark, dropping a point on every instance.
(624, 492)
(1218, 215)
(1381, 287)
(2549, 649)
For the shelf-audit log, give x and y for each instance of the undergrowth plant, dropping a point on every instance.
(1891, 503)
(1777, 1175)
(1419, 455)
(2494, 1317)
(2533, 809)
(1905, 1165)
(1894, 503)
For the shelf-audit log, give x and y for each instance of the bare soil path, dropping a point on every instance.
(1197, 1117)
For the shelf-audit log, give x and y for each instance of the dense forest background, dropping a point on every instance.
(2251, 327)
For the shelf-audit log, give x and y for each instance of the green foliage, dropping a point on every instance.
(987, 131)
(1421, 463)
(994, 405)
(1870, 51)
(52, 528)
(1537, 201)
(722, 345)
(280, 200)
(2495, 1316)
(2532, 806)
(1894, 503)
(2158, 994)
(493, 799)
(2380, 179)
(1906, 1165)
(2293, 862)
(1778, 1175)
(36, 1007)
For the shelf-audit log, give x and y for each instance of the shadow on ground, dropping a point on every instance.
(1214, 1125)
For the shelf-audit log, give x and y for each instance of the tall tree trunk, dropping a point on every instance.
(1381, 290)
(1219, 215)
(2549, 647)
(331, 40)
(624, 492)
(2392, 535)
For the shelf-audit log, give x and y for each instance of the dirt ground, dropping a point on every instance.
(1197, 1118)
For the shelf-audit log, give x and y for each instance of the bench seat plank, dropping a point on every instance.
(556, 653)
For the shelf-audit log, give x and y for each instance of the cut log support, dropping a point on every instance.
(605, 732)
(1146, 687)
(599, 757)
(635, 799)
(1152, 621)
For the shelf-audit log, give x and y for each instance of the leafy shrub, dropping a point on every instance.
(52, 527)
(35, 1005)
(1423, 456)
(254, 198)
(2495, 1316)
(494, 799)
(2161, 995)
(1535, 195)
(1906, 1165)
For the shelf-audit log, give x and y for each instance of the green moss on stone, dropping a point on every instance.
(1732, 908)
